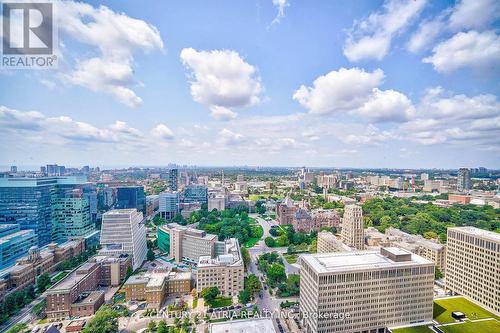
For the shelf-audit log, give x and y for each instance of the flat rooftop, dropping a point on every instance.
(360, 261)
(256, 325)
(490, 235)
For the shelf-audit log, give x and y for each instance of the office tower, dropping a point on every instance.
(123, 232)
(86, 169)
(196, 193)
(173, 179)
(70, 216)
(129, 197)
(43, 170)
(352, 227)
(55, 170)
(30, 202)
(225, 270)
(184, 243)
(464, 182)
(14, 243)
(90, 193)
(169, 205)
(473, 265)
(383, 289)
(13, 169)
(328, 242)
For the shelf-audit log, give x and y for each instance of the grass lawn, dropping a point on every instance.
(58, 277)
(221, 301)
(484, 326)
(291, 258)
(444, 307)
(195, 303)
(415, 329)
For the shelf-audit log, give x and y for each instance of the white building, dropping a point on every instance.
(365, 291)
(217, 202)
(473, 265)
(328, 242)
(352, 227)
(169, 205)
(123, 232)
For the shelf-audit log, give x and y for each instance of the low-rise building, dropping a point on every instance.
(328, 242)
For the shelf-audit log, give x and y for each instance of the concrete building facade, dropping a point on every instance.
(352, 227)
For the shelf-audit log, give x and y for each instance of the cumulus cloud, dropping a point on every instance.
(355, 91)
(466, 49)
(474, 14)
(227, 137)
(163, 132)
(371, 38)
(116, 37)
(29, 120)
(426, 33)
(280, 5)
(222, 79)
(371, 135)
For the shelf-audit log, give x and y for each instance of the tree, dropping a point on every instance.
(130, 271)
(244, 296)
(438, 274)
(276, 273)
(270, 242)
(104, 321)
(252, 283)
(162, 327)
(43, 282)
(430, 235)
(210, 294)
(246, 257)
(150, 255)
(152, 326)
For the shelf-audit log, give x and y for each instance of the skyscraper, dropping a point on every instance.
(464, 182)
(123, 232)
(131, 197)
(31, 203)
(352, 227)
(173, 179)
(473, 266)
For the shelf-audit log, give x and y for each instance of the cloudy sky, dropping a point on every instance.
(268, 82)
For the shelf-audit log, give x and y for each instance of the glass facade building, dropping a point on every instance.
(14, 243)
(196, 193)
(131, 197)
(168, 205)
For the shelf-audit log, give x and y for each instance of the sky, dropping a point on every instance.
(395, 84)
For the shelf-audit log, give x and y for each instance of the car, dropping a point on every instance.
(210, 310)
(231, 307)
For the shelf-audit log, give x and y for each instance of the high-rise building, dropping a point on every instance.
(225, 270)
(169, 205)
(14, 243)
(196, 193)
(13, 169)
(55, 170)
(131, 197)
(30, 202)
(184, 243)
(352, 227)
(70, 216)
(365, 291)
(473, 265)
(173, 179)
(464, 182)
(123, 232)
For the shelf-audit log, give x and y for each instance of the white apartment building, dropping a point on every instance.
(217, 202)
(123, 232)
(365, 291)
(225, 271)
(328, 242)
(352, 227)
(189, 243)
(473, 265)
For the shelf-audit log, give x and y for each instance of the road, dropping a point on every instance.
(23, 316)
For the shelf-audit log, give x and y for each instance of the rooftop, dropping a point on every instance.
(360, 260)
(490, 235)
(255, 325)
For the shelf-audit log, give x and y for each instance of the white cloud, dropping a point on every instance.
(10, 118)
(162, 131)
(221, 78)
(371, 135)
(116, 36)
(371, 38)
(227, 137)
(222, 113)
(387, 105)
(342, 90)
(280, 5)
(474, 14)
(467, 49)
(426, 33)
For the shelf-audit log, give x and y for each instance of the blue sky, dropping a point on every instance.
(271, 82)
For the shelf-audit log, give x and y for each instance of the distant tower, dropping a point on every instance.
(352, 227)
(222, 178)
(463, 180)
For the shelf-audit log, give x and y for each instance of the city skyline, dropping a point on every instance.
(346, 84)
